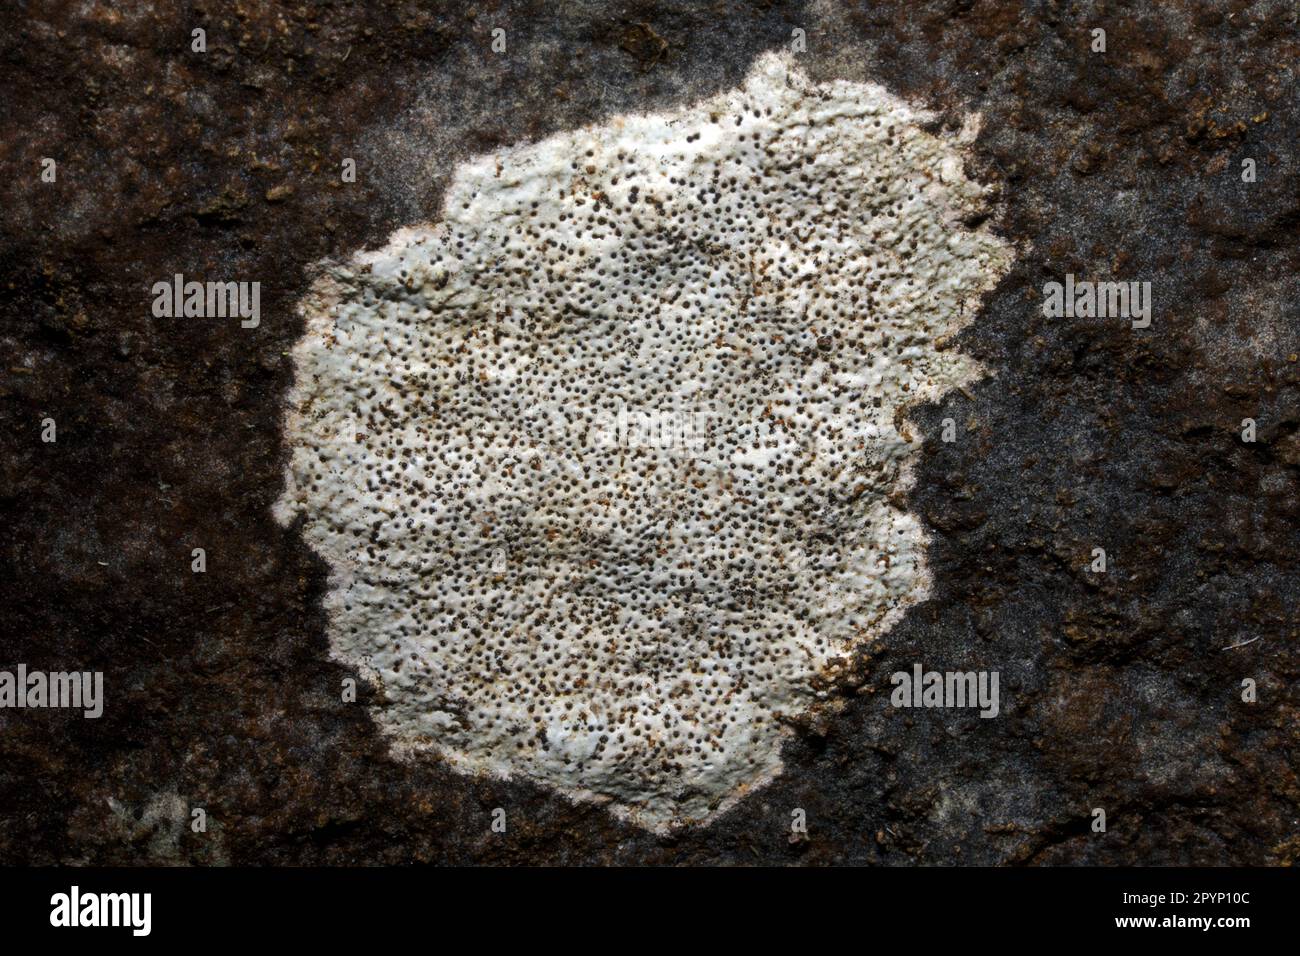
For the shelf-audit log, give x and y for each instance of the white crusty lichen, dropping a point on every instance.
(607, 465)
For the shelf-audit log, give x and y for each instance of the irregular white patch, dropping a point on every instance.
(606, 465)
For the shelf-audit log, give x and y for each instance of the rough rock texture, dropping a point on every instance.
(1118, 690)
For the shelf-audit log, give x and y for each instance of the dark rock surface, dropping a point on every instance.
(1119, 691)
